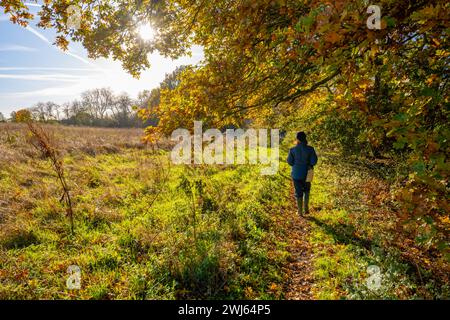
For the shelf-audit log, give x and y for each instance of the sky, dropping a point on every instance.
(33, 70)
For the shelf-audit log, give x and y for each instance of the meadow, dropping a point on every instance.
(144, 229)
(149, 229)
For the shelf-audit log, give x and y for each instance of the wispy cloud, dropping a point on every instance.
(48, 92)
(30, 4)
(14, 47)
(38, 34)
(44, 77)
(69, 53)
(45, 69)
(79, 58)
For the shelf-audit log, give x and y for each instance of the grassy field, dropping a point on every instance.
(147, 229)
(143, 228)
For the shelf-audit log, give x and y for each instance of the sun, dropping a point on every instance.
(146, 32)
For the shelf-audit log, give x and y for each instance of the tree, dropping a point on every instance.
(98, 102)
(259, 54)
(266, 52)
(38, 111)
(2, 117)
(45, 111)
(82, 118)
(52, 111)
(264, 59)
(66, 110)
(148, 101)
(23, 115)
(13, 116)
(76, 107)
(122, 110)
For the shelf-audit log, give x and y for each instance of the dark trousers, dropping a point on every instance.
(301, 188)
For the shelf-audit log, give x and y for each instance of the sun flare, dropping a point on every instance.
(146, 32)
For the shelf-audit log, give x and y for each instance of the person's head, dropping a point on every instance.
(301, 137)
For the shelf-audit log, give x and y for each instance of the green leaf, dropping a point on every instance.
(428, 92)
(401, 117)
(399, 144)
(428, 220)
(391, 22)
(419, 167)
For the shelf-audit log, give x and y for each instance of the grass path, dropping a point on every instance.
(332, 248)
(299, 269)
(322, 265)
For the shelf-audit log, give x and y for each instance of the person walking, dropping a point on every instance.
(302, 158)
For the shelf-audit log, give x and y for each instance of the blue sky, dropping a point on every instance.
(33, 70)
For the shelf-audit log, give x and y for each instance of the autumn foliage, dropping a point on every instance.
(376, 94)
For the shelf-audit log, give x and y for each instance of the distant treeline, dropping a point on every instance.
(96, 107)
(101, 108)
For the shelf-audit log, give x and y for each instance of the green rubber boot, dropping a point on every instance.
(307, 202)
(300, 206)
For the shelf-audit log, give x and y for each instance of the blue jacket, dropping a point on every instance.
(301, 158)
